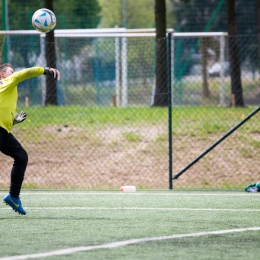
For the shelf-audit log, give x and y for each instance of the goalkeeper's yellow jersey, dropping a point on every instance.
(9, 94)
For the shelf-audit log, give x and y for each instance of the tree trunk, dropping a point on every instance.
(258, 26)
(204, 61)
(235, 71)
(161, 91)
(51, 88)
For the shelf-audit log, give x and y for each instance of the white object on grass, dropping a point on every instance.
(128, 188)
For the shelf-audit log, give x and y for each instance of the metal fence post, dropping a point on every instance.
(169, 78)
(222, 72)
(124, 93)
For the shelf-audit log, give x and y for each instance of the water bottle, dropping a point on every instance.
(128, 189)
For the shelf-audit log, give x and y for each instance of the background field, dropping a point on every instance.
(85, 220)
(104, 148)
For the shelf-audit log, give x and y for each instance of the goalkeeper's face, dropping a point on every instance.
(8, 71)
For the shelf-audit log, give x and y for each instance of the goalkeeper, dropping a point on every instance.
(9, 145)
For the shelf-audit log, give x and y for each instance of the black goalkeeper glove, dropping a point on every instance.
(52, 72)
(19, 118)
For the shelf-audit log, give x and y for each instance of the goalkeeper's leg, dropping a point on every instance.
(12, 148)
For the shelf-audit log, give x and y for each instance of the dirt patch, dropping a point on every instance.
(103, 158)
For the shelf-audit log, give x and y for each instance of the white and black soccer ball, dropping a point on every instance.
(44, 20)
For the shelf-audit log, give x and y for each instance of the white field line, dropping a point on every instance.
(125, 243)
(136, 208)
(118, 193)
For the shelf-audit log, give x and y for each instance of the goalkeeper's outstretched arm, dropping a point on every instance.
(25, 74)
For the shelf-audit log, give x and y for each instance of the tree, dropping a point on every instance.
(194, 17)
(74, 14)
(235, 70)
(139, 14)
(197, 16)
(204, 60)
(77, 14)
(51, 87)
(161, 90)
(258, 26)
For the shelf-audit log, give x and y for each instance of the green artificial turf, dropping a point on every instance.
(72, 219)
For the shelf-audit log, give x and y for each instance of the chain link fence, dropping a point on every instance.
(105, 132)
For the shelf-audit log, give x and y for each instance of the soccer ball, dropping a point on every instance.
(44, 20)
